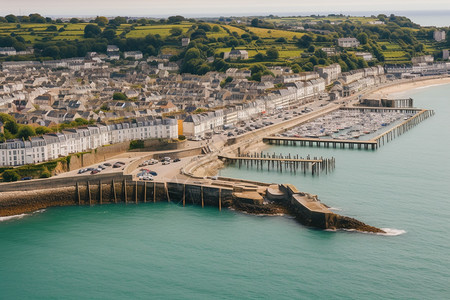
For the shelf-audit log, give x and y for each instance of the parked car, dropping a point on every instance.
(153, 173)
(153, 162)
(176, 160)
(27, 178)
(107, 164)
(94, 172)
(166, 162)
(147, 177)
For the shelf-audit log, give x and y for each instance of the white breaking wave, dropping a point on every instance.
(19, 216)
(388, 231)
(392, 232)
(12, 217)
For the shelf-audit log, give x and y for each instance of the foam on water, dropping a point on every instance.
(12, 217)
(6, 218)
(392, 232)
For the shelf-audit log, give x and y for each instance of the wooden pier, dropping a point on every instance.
(279, 163)
(327, 143)
(372, 144)
(403, 127)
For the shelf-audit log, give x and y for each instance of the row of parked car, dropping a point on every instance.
(101, 167)
(146, 174)
(164, 161)
(148, 162)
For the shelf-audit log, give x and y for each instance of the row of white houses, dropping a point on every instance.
(51, 146)
(299, 92)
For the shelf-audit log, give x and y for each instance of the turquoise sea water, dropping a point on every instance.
(165, 251)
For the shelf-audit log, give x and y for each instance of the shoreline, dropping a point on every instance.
(394, 88)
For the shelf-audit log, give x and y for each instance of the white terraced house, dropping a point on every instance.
(51, 146)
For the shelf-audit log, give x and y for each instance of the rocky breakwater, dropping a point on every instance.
(285, 198)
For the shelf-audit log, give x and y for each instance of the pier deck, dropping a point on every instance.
(374, 143)
(270, 159)
(371, 144)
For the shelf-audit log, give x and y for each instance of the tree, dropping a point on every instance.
(10, 175)
(176, 31)
(118, 21)
(311, 49)
(320, 53)
(205, 26)
(215, 28)
(101, 21)
(363, 38)
(40, 130)
(37, 18)
(296, 68)
(25, 132)
(259, 56)
(74, 21)
(45, 174)
(109, 34)
(51, 28)
(12, 127)
(92, 31)
(192, 53)
(308, 66)
(6, 118)
(119, 96)
(304, 41)
(12, 19)
(175, 19)
(255, 22)
(272, 53)
(51, 51)
(281, 40)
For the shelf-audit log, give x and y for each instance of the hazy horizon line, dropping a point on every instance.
(248, 14)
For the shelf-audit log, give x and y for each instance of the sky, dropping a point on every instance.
(161, 8)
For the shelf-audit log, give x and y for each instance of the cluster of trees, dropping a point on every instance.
(13, 41)
(261, 23)
(99, 20)
(32, 18)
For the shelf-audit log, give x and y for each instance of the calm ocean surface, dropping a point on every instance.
(165, 251)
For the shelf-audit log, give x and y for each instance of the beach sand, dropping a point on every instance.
(389, 91)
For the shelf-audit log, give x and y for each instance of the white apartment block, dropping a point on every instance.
(348, 42)
(367, 56)
(51, 146)
(439, 35)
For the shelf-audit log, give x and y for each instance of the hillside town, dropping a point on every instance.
(149, 98)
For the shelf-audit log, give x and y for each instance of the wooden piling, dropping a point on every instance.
(145, 191)
(167, 191)
(135, 192)
(184, 195)
(220, 199)
(114, 191)
(100, 191)
(89, 193)
(125, 191)
(78, 194)
(201, 192)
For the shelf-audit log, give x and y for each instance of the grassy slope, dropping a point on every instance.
(33, 33)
